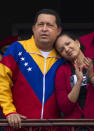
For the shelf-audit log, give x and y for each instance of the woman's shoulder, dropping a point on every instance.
(65, 66)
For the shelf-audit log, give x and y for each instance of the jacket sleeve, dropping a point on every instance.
(6, 100)
(65, 105)
(6, 85)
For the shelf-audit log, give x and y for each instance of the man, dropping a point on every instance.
(27, 73)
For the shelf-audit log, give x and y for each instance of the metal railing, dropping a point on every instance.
(52, 122)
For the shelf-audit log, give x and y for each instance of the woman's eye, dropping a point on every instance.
(67, 43)
(62, 49)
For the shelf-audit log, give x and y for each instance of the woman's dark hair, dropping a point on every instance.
(50, 12)
(73, 36)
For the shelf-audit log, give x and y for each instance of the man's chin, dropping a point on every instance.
(44, 41)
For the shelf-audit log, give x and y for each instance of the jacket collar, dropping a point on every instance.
(34, 50)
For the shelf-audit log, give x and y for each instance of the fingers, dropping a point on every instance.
(18, 122)
(14, 120)
(78, 71)
(22, 117)
(77, 68)
(87, 62)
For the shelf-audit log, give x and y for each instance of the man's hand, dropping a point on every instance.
(14, 120)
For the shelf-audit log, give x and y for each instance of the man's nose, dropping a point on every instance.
(45, 27)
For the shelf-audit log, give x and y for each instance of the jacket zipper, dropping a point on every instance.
(43, 89)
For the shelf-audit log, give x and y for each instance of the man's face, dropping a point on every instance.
(45, 30)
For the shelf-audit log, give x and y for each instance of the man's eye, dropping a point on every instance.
(50, 25)
(41, 24)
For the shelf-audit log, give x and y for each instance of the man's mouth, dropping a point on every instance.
(44, 35)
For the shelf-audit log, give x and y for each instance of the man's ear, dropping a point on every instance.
(33, 28)
(59, 30)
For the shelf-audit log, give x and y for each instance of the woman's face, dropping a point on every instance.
(67, 47)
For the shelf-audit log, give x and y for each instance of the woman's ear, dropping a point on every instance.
(77, 41)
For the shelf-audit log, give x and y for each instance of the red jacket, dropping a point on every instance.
(72, 110)
(63, 87)
(88, 41)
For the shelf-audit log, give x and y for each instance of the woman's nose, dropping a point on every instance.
(66, 48)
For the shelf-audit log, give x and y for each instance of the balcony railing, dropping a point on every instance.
(52, 122)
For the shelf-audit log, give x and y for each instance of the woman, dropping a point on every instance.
(74, 80)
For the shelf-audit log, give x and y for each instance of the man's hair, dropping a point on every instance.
(49, 12)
